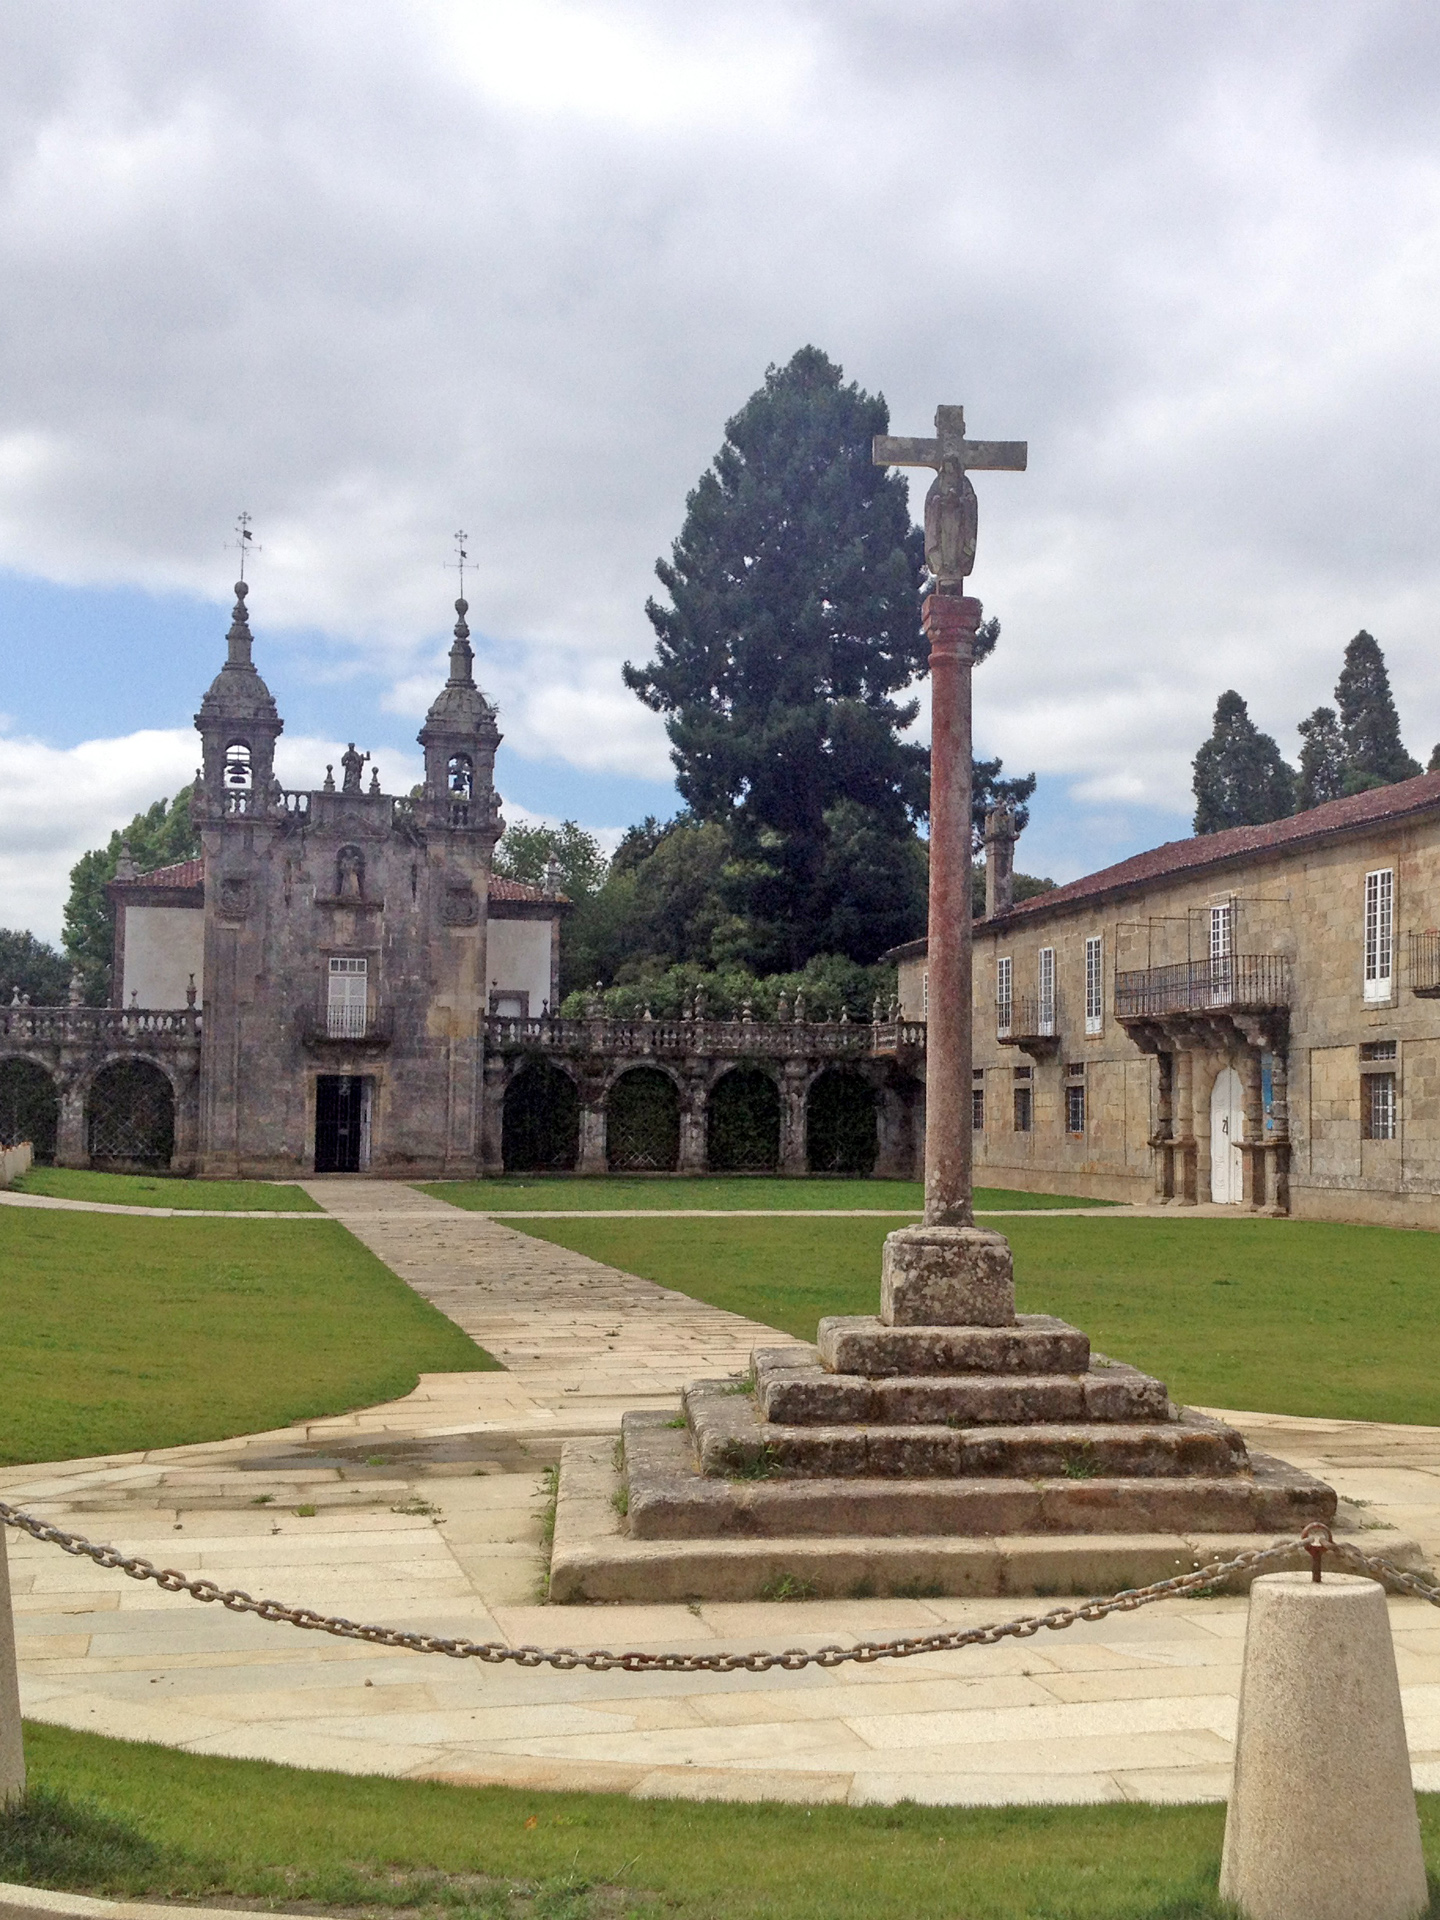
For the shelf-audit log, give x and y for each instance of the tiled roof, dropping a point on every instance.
(185, 873)
(1357, 810)
(504, 888)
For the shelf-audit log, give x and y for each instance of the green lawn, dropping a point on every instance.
(571, 1194)
(108, 1817)
(122, 1332)
(1275, 1316)
(163, 1190)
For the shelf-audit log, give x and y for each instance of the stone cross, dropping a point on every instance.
(951, 510)
(951, 619)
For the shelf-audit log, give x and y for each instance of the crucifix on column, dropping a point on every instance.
(951, 619)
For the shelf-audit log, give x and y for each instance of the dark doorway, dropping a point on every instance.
(743, 1123)
(341, 1123)
(840, 1131)
(130, 1116)
(642, 1123)
(540, 1124)
(29, 1108)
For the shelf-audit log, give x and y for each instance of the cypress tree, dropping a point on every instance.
(1240, 778)
(1323, 765)
(1374, 754)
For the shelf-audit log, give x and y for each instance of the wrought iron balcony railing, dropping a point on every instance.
(1243, 981)
(1422, 963)
(1027, 1019)
(344, 1026)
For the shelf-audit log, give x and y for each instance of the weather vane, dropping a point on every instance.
(244, 541)
(462, 555)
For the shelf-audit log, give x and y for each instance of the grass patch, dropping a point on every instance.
(108, 1817)
(166, 1190)
(123, 1333)
(572, 1193)
(1275, 1316)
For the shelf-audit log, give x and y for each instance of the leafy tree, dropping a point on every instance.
(159, 837)
(1434, 766)
(781, 665)
(34, 968)
(1374, 754)
(1240, 778)
(525, 852)
(1323, 765)
(830, 984)
(1026, 887)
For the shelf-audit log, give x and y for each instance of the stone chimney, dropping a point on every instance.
(1000, 838)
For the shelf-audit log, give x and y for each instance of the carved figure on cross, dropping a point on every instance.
(951, 509)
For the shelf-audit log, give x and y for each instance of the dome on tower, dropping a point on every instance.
(460, 706)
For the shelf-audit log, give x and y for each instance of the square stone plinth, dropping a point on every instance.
(947, 1277)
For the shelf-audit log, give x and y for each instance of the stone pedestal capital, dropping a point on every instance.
(947, 1277)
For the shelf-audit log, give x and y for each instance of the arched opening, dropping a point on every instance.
(29, 1108)
(460, 776)
(239, 773)
(130, 1116)
(1227, 1129)
(540, 1121)
(742, 1123)
(642, 1123)
(841, 1135)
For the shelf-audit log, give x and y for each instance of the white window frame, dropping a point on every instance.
(347, 1001)
(1380, 1119)
(1047, 991)
(1222, 948)
(1004, 995)
(1378, 939)
(1095, 983)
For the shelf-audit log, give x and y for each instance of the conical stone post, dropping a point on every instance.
(12, 1750)
(1322, 1822)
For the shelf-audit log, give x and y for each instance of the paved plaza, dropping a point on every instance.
(428, 1514)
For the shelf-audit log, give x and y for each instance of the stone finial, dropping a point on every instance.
(15, 994)
(329, 786)
(375, 780)
(125, 867)
(747, 1010)
(77, 988)
(1000, 837)
(877, 1011)
(550, 885)
(800, 1008)
(462, 655)
(238, 640)
(699, 1003)
(190, 994)
(782, 1008)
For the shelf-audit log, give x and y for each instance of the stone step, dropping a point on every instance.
(731, 1439)
(1037, 1343)
(667, 1499)
(792, 1389)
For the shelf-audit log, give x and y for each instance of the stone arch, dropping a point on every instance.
(130, 1115)
(841, 1130)
(540, 1120)
(742, 1122)
(642, 1122)
(29, 1106)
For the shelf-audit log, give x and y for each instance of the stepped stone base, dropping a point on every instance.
(597, 1559)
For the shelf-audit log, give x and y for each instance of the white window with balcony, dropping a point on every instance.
(1095, 983)
(1380, 934)
(347, 1000)
(1004, 995)
(1046, 1008)
(1222, 947)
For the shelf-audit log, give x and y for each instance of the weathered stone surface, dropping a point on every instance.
(947, 1277)
(1037, 1343)
(790, 1392)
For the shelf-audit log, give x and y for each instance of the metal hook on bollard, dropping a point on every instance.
(1317, 1541)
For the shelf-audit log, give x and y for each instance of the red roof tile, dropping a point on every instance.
(185, 873)
(504, 888)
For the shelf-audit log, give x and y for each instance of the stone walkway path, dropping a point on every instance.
(429, 1513)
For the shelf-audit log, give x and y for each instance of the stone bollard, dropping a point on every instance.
(1322, 1822)
(12, 1751)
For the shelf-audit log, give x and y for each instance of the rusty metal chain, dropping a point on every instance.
(1316, 1540)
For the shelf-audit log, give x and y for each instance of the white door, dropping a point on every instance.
(1227, 1124)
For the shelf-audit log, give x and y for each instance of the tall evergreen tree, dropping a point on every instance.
(1240, 778)
(1374, 754)
(159, 837)
(32, 968)
(793, 627)
(1323, 766)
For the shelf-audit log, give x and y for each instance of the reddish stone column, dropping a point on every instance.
(950, 621)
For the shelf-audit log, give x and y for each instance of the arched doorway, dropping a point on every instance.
(1227, 1129)
(130, 1116)
(742, 1123)
(642, 1123)
(840, 1130)
(29, 1108)
(540, 1122)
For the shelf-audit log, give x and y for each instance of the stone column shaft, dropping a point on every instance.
(12, 1751)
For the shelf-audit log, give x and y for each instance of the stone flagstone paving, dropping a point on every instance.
(427, 1513)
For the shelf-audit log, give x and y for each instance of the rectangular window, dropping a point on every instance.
(1074, 1069)
(1377, 1106)
(1075, 1109)
(1004, 996)
(977, 1108)
(1378, 1050)
(1095, 983)
(1222, 968)
(1379, 933)
(1023, 1109)
(346, 1003)
(1047, 990)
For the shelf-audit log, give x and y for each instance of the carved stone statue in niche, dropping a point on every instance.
(350, 873)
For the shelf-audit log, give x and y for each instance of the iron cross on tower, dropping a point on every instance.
(951, 620)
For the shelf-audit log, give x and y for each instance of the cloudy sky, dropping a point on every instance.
(382, 269)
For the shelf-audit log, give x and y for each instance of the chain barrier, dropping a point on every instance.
(1316, 1540)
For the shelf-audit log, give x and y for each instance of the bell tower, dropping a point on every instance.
(238, 724)
(460, 737)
